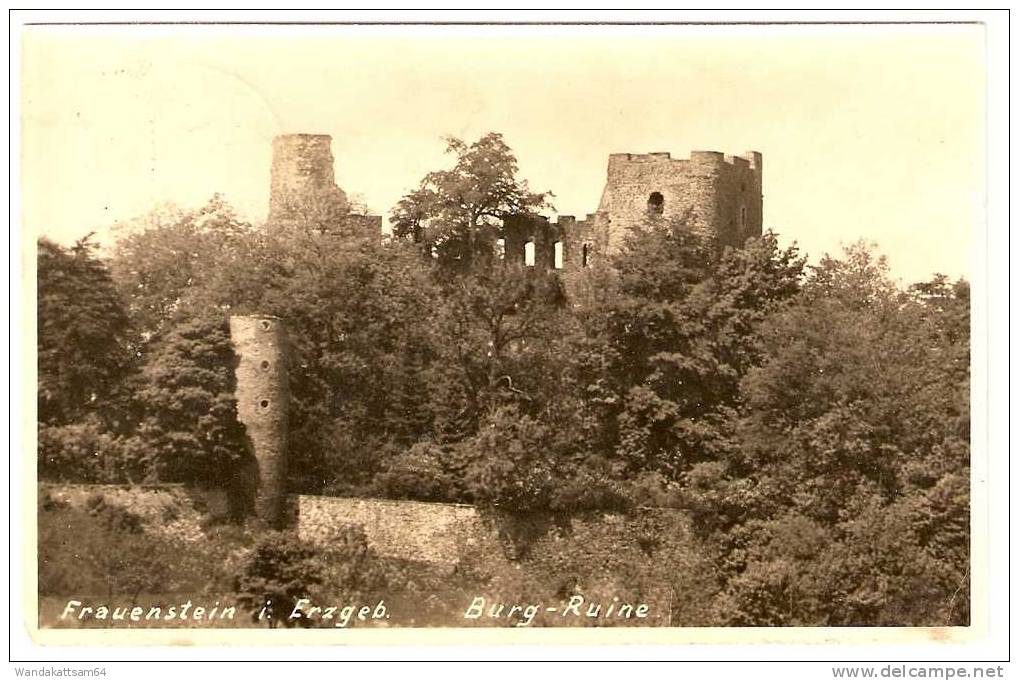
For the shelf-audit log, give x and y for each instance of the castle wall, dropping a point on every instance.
(408, 530)
(579, 240)
(263, 402)
(716, 195)
(437, 534)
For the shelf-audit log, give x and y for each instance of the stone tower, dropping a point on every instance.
(263, 401)
(302, 178)
(302, 189)
(718, 195)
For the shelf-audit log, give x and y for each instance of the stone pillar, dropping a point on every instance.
(263, 400)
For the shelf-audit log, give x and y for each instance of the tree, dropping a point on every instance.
(83, 330)
(459, 211)
(190, 429)
(167, 265)
(514, 468)
(845, 501)
(418, 473)
(355, 310)
(494, 329)
(358, 316)
(671, 338)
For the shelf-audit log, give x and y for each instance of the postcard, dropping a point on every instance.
(503, 333)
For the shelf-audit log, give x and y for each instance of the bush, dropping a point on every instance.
(72, 453)
(583, 489)
(280, 570)
(417, 474)
(872, 570)
(512, 466)
(114, 518)
(85, 452)
(645, 557)
(353, 571)
(104, 550)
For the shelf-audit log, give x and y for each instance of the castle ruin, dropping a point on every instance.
(303, 191)
(717, 195)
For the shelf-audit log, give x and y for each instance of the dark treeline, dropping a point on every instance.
(813, 421)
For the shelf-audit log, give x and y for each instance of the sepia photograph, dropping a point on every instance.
(445, 327)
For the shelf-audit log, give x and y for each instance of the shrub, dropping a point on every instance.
(72, 453)
(104, 549)
(512, 466)
(85, 452)
(353, 571)
(417, 474)
(280, 570)
(115, 518)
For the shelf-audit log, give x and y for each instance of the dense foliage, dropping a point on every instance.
(190, 430)
(454, 210)
(83, 326)
(812, 422)
(281, 570)
(103, 549)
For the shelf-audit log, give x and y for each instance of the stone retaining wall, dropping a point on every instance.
(409, 530)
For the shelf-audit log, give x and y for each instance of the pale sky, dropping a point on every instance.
(867, 132)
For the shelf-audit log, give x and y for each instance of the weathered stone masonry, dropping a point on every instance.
(717, 195)
(409, 530)
(302, 189)
(263, 404)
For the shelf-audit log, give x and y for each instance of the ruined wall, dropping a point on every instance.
(409, 530)
(719, 195)
(445, 535)
(302, 178)
(263, 399)
(302, 189)
(579, 240)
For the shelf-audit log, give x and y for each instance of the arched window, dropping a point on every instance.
(585, 256)
(529, 254)
(656, 203)
(558, 261)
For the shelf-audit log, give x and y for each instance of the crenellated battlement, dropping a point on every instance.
(751, 159)
(716, 194)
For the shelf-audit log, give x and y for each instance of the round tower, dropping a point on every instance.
(302, 181)
(263, 401)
